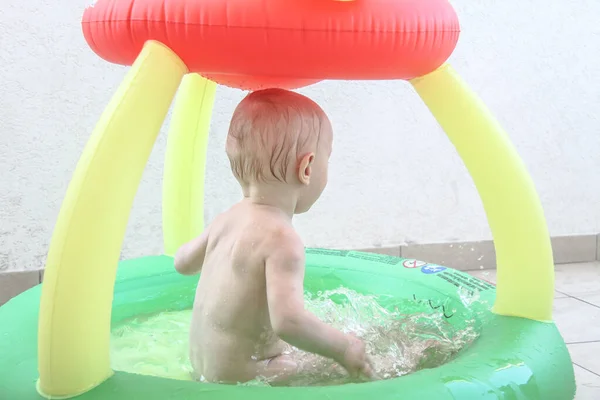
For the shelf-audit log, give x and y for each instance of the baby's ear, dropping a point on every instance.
(304, 168)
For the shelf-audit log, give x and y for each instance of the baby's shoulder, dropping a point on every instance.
(283, 240)
(262, 231)
(281, 230)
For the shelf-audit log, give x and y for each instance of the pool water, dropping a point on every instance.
(404, 336)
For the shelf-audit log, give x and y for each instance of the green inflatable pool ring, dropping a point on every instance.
(514, 358)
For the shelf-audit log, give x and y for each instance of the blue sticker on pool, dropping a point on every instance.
(432, 269)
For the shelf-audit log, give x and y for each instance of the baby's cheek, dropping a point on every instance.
(325, 181)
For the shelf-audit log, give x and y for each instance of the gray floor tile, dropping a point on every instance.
(576, 320)
(586, 355)
(588, 384)
(578, 279)
(590, 298)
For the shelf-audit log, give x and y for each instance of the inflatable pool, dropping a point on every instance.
(514, 358)
(192, 46)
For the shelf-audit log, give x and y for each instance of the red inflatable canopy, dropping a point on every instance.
(253, 44)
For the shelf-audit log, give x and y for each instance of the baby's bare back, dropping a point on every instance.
(231, 334)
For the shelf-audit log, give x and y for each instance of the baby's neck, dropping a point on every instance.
(277, 196)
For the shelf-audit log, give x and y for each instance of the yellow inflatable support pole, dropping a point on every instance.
(525, 282)
(185, 162)
(75, 310)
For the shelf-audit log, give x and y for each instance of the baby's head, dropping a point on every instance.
(282, 139)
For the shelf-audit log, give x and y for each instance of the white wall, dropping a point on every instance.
(394, 176)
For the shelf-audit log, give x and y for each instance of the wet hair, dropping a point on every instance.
(269, 130)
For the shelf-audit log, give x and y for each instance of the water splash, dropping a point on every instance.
(401, 338)
(404, 336)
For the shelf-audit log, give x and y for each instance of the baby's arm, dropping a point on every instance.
(190, 257)
(292, 322)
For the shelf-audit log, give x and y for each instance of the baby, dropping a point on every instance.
(249, 303)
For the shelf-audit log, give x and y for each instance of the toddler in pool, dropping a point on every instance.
(249, 304)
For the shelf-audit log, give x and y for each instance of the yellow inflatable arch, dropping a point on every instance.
(74, 325)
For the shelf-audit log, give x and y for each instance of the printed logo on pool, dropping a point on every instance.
(432, 269)
(412, 263)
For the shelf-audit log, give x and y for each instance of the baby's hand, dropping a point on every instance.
(356, 361)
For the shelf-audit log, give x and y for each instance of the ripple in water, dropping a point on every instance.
(402, 338)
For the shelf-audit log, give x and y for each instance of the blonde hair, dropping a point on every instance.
(269, 130)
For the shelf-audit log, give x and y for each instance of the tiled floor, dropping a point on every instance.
(577, 315)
